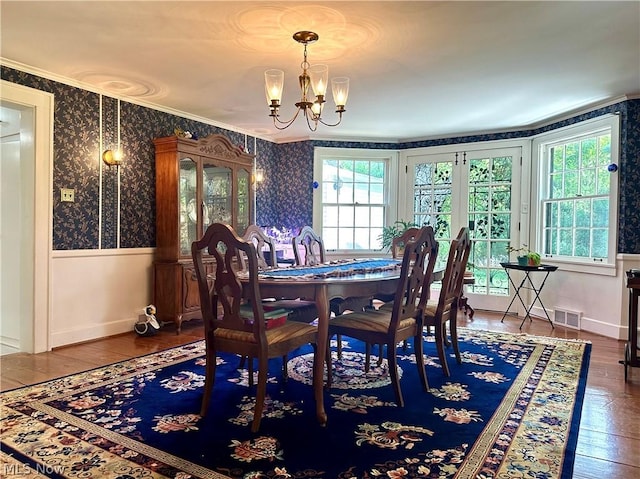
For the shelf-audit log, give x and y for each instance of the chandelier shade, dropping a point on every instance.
(340, 90)
(319, 75)
(314, 76)
(273, 84)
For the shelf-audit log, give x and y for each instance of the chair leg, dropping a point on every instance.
(339, 345)
(210, 376)
(440, 343)
(285, 371)
(453, 327)
(418, 347)
(367, 360)
(328, 361)
(261, 392)
(393, 372)
(250, 371)
(367, 357)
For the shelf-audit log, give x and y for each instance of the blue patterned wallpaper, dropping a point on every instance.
(284, 199)
(629, 175)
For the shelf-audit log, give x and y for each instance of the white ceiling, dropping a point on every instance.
(418, 69)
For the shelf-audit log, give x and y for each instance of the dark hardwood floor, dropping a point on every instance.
(609, 439)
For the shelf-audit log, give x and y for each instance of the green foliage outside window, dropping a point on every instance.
(576, 211)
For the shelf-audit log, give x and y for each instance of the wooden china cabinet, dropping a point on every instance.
(198, 182)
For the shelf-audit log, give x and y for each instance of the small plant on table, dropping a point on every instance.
(525, 256)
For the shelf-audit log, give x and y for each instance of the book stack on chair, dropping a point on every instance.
(273, 318)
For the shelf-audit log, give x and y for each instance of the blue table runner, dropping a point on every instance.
(333, 269)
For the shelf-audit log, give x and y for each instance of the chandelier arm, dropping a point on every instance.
(312, 126)
(331, 124)
(287, 124)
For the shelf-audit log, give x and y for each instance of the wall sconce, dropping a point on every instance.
(112, 157)
(259, 175)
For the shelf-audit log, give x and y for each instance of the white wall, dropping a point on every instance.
(98, 293)
(602, 300)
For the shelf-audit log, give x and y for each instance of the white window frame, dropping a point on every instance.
(541, 142)
(390, 202)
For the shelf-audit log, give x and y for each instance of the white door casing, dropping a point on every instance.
(36, 151)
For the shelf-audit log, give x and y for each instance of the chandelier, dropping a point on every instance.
(315, 76)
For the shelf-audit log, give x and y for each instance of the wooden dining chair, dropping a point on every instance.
(403, 321)
(233, 315)
(437, 312)
(300, 310)
(262, 242)
(311, 243)
(397, 249)
(314, 254)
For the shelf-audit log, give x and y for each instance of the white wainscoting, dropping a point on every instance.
(603, 300)
(98, 293)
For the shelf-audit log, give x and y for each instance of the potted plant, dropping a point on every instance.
(525, 256)
(533, 258)
(396, 229)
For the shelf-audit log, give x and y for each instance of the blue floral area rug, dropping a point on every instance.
(511, 409)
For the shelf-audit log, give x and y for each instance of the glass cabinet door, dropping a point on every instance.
(188, 205)
(243, 206)
(216, 196)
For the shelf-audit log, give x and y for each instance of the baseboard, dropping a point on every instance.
(588, 324)
(91, 332)
(9, 345)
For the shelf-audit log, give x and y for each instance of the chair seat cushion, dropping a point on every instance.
(376, 321)
(431, 307)
(286, 332)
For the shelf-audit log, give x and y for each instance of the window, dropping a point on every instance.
(353, 197)
(578, 193)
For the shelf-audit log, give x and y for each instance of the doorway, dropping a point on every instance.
(26, 134)
(477, 188)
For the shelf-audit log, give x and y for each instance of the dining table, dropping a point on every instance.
(322, 283)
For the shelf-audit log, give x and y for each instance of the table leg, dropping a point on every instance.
(322, 304)
(537, 291)
(633, 330)
(516, 295)
(631, 347)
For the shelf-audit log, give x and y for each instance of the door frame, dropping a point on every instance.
(37, 148)
(522, 202)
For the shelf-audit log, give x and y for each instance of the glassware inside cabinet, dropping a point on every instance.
(216, 195)
(243, 207)
(188, 202)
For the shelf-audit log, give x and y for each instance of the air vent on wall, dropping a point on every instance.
(565, 317)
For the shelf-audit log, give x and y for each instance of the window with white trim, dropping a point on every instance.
(351, 202)
(578, 193)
